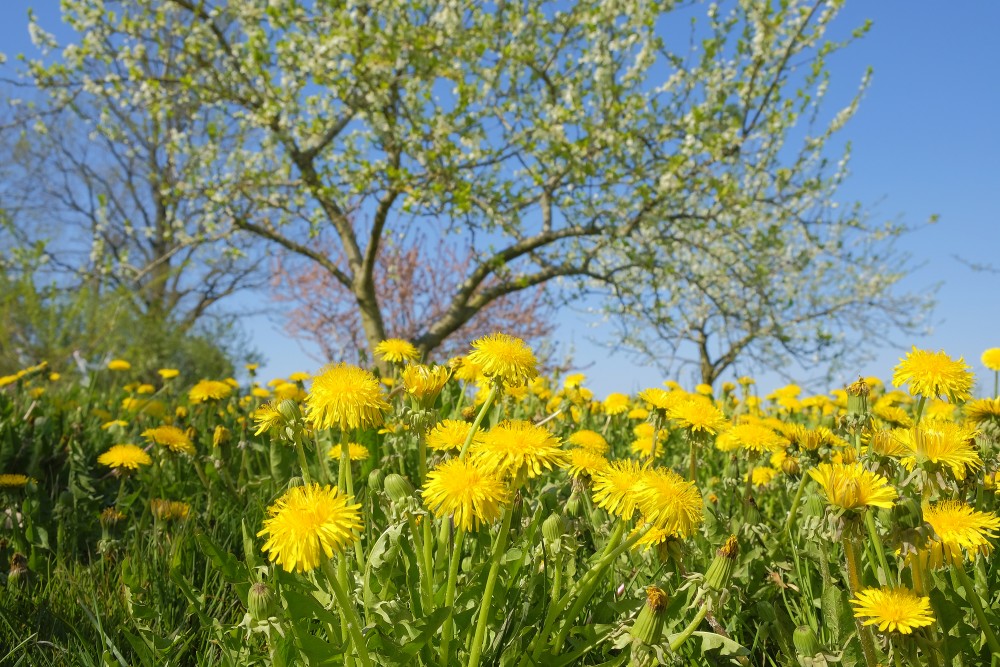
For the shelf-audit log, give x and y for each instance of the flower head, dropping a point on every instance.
(943, 443)
(752, 436)
(168, 510)
(209, 390)
(355, 452)
(961, 528)
(518, 449)
(983, 410)
(267, 418)
(170, 437)
(125, 456)
(119, 365)
(698, 414)
(614, 488)
(590, 440)
(461, 489)
(168, 373)
(850, 486)
(13, 481)
(396, 351)
(585, 463)
(670, 502)
(308, 523)
(615, 404)
(892, 609)
(933, 374)
(451, 434)
(345, 397)
(504, 358)
(425, 382)
(991, 358)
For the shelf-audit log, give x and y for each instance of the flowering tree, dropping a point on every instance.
(586, 142)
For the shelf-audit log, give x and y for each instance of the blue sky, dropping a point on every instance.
(925, 142)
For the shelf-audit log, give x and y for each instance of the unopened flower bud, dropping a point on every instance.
(806, 642)
(857, 398)
(790, 466)
(721, 569)
(221, 436)
(261, 602)
(398, 488)
(648, 626)
(289, 409)
(376, 480)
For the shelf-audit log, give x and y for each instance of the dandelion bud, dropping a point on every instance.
(574, 504)
(790, 466)
(398, 488)
(857, 398)
(648, 627)
(376, 480)
(261, 602)
(221, 436)
(806, 643)
(19, 576)
(553, 528)
(110, 516)
(289, 409)
(721, 569)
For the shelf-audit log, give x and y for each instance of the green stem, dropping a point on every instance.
(693, 464)
(793, 511)
(303, 463)
(426, 574)
(347, 610)
(890, 576)
(422, 456)
(920, 409)
(977, 607)
(449, 596)
(494, 390)
(475, 653)
(854, 581)
(689, 630)
(348, 481)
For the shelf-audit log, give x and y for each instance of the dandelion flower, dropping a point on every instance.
(13, 481)
(585, 463)
(944, 443)
(504, 358)
(209, 390)
(299, 376)
(425, 382)
(850, 486)
(983, 410)
(170, 437)
(119, 365)
(590, 440)
(615, 404)
(762, 475)
(518, 449)
(125, 456)
(961, 528)
(169, 510)
(308, 523)
(396, 351)
(638, 413)
(670, 502)
(461, 489)
(933, 374)
(893, 415)
(991, 358)
(267, 418)
(751, 436)
(451, 434)
(345, 397)
(355, 452)
(652, 537)
(698, 414)
(168, 373)
(614, 488)
(892, 609)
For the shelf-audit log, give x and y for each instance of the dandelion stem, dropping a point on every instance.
(303, 463)
(793, 511)
(499, 547)
(347, 480)
(890, 577)
(977, 607)
(920, 409)
(854, 581)
(686, 633)
(353, 622)
(494, 390)
(449, 596)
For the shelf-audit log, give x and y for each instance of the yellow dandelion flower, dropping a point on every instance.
(299, 376)
(345, 397)
(982, 410)
(661, 399)
(450, 434)
(585, 463)
(991, 358)
(119, 365)
(850, 486)
(396, 351)
(615, 404)
(614, 488)
(168, 373)
(652, 537)
(751, 436)
(892, 609)
(504, 358)
(209, 390)
(13, 481)
(762, 475)
(461, 489)
(519, 449)
(267, 418)
(638, 413)
(355, 452)
(933, 374)
(574, 380)
(703, 389)
(289, 390)
(589, 440)
(892, 415)
(698, 415)
(125, 456)
(745, 381)
(670, 502)
(260, 392)
(114, 422)
(170, 437)
(145, 389)
(308, 523)
(943, 443)
(886, 443)
(169, 510)
(425, 382)
(643, 446)
(960, 528)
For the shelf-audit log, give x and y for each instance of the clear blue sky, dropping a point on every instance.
(925, 141)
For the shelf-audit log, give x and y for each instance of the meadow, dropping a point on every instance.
(480, 513)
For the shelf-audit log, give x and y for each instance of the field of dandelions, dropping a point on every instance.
(477, 513)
